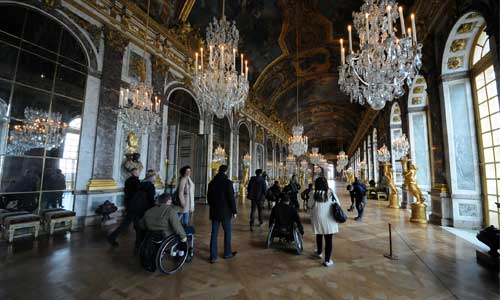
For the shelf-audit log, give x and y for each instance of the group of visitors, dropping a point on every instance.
(170, 212)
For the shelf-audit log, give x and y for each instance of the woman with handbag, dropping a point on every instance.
(323, 222)
(185, 193)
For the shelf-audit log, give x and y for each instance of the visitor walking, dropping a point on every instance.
(185, 193)
(130, 189)
(323, 223)
(256, 194)
(306, 195)
(220, 197)
(359, 190)
(293, 189)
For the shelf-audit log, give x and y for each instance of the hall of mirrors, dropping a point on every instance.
(92, 91)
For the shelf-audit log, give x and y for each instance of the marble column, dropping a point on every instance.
(115, 43)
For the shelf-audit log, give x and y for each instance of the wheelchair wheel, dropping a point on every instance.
(297, 237)
(269, 239)
(168, 258)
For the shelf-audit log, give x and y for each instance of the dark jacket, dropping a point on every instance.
(285, 215)
(142, 200)
(273, 193)
(131, 187)
(256, 188)
(220, 197)
(359, 190)
(164, 217)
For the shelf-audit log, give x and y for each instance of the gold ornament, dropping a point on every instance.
(132, 143)
(466, 27)
(243, 184)
(418, 208)
(458, 45)
(454, 62)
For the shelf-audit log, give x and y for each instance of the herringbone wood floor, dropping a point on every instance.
(433, 264)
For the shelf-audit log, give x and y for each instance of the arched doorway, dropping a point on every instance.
(222, 137)
(43, 76)
(186, 143)
(472, 123)
(243, 147)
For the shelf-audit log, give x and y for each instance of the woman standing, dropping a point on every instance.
(323, 223)
(186, 194)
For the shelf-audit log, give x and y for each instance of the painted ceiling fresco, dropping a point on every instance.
(270, 33)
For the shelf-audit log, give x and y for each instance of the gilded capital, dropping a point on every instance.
(115, 39)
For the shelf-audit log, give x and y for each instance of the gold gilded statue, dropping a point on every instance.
(243, 184)
(349, 176)
(418, 208)
(393, 196)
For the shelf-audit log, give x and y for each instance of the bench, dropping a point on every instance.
(15, 221)
(58, 219)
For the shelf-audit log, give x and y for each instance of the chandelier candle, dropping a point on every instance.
(389, 18)
(402, 20)
(349, 28)
(413, 29)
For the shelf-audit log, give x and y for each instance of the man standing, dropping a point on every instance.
(220, 197)
(359, 190)
(130, 189)
(256, 194)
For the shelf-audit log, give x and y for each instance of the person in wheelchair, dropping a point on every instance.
(283, 218)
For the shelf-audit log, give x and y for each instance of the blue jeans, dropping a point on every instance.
(226, 225)
(184, 218)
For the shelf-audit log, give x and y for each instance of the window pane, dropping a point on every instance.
(27, 97)
(494, 218)
(70, 83)
(11, 23)
(70, 48)
(480, 80)
(481, 95)
(490, 74)
(61, 199)
(483, 110)
(491, 187)
(42, 31)
(8, 58)
(496, 139)
(487, 142)
(68, 110)
(492, 89)
(488, 155)
(495, 121)
(486, 48)
(489, 170)
(21, 174)
(35, 71)
(485, 124)
(477, 54)
(60, 174)
(491, 201)
(497, 152)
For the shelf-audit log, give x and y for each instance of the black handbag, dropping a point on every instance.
(338, 214)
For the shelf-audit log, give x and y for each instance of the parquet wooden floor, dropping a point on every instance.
(433, 264)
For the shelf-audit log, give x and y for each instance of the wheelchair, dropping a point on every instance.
(166, 253)
(286, 235)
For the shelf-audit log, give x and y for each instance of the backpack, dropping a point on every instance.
(149, 249)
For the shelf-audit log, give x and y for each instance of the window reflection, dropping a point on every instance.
(40, 120)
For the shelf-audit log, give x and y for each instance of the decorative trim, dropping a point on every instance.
(101, 184)
(186, 10)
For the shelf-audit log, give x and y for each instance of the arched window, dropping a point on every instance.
(396, 132)
(472, 123)
(418, 132)
(488, 123)
(375, 158)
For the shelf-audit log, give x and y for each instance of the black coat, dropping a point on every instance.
(284, 215)
(256, 188)
(131, 187)
(220, 197)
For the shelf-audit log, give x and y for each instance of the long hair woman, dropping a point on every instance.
(186, 194)
(323, 223)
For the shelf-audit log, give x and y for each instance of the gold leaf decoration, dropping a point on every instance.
(416, 101)
(466, 27)
(458, 45)
(455, 62)
(418, 90)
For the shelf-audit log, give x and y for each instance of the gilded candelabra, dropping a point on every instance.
(384, 156)
(244, 179)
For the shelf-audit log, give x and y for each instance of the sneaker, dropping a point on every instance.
(328, 263)
(317, 255)
(233, 254)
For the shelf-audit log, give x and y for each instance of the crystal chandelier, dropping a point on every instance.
(378, 71)
(297, 143)
(40, 129)
(315, 157)
(218, 86)
(342, 160)
(219, 155)
(400, 147)
(137, 110)
(383, 154)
